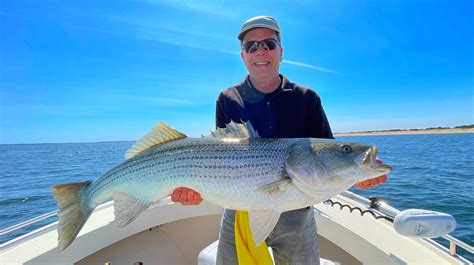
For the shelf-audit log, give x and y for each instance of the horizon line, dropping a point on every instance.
(469, 127)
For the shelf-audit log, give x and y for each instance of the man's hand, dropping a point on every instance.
(370, 183)
(186, 196)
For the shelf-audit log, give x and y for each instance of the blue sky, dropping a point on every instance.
(82, 71)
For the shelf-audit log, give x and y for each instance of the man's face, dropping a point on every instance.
(262, 63)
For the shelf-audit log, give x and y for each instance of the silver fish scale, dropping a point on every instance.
(226, 173)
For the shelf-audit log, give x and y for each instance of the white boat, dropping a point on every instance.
(168, 233)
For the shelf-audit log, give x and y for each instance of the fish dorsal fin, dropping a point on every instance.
(160, 134)
(235, 130)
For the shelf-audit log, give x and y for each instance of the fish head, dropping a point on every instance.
(353, 162)
(319, 166)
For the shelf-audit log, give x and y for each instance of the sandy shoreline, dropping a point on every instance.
(406, 132)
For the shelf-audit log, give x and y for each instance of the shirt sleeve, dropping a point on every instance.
(221, 119)
(317, 123)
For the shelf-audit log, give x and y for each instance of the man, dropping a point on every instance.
(277, 108)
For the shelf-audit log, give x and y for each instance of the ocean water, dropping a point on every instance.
(433, 172)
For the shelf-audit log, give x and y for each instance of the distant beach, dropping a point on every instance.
(406, 132)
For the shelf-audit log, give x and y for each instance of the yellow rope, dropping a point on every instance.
(247, 253)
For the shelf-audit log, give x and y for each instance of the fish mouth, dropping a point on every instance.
(370, 155)
(370, 160)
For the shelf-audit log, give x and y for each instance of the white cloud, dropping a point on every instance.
(162, 100)
(152, 25)
(318, 68)
(215, 8)
(177, 36)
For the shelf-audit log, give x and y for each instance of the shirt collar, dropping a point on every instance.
(251, 94)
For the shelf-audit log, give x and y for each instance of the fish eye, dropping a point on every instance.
(346, 148)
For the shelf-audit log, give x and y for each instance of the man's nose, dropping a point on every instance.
(261, 49)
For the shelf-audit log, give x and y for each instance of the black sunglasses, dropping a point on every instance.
(267, 44)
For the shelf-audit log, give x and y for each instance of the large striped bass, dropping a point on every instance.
(232, 168)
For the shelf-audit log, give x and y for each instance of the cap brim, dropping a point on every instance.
(247, 29)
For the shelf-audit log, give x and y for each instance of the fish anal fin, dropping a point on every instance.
(262, 224)
(128, 208)
(160, 134)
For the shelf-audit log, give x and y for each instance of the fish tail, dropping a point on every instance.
(73, 213)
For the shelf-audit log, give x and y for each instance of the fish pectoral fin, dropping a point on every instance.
(262, 224)
(128, 208)
(275, 187)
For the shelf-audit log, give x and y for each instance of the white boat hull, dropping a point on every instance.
(169, 233)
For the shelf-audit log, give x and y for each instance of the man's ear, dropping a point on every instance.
(242, 55)
(281, 53)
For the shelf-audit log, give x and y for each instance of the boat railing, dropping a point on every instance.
(381, 207)
(26, 223)
(391, 212)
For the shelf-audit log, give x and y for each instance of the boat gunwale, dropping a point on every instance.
(384, 209)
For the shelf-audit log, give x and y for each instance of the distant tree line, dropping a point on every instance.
(431, 128)
(465, 126)
(438, 128)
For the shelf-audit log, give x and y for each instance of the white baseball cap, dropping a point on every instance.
(259, 22)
